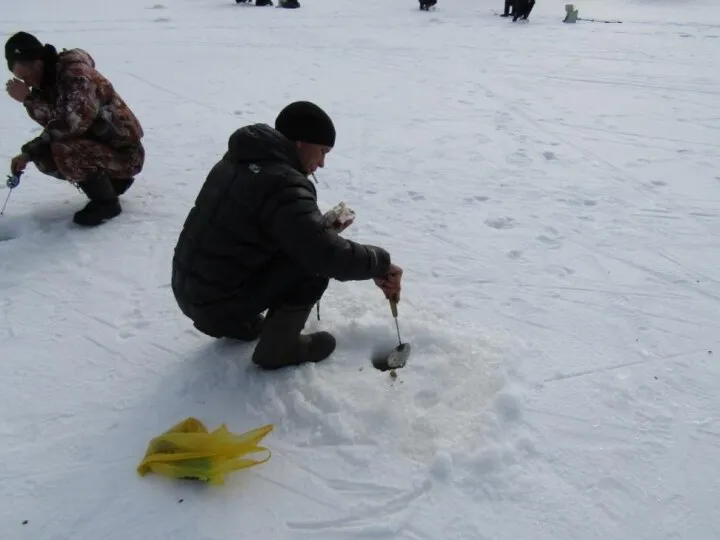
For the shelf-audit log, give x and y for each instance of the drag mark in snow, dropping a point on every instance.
(666, 278)
(605, 369)
(176, 94)
(294, 490)
(626, 84)
(369, 514)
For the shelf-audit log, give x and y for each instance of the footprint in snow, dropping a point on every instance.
(578, 202)
(502, 119)
(519, 157)
(515, 254)
(426, 399)
(475, 199)
(132, 322)
(500, 223)
(559, 271)
(551, 239)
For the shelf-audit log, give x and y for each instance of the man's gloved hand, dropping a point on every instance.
(390, 284)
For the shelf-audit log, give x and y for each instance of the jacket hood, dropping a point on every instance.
(75, 56)
(260, 142)
(56, 64)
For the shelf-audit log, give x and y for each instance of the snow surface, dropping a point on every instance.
(552, 193)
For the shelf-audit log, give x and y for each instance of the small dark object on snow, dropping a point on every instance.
(398, 357)
(181, 500)
(425, 5)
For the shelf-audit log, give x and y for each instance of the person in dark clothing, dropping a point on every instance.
(255, 240)
(509, 5)
(522, 9)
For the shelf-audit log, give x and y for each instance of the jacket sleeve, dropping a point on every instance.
(77, 108)
(296, 223)
(37, 147)
(38, 108)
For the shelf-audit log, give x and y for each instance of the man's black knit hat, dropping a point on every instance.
(22, 47)
(306, 122)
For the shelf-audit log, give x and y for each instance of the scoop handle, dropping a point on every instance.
(393, 308)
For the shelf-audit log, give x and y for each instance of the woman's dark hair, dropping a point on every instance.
(24, 47)
(49, 58)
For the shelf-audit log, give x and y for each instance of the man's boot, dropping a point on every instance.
(521, 10)
(528, 10)
(508, 8)
(281, 344)
(241, 331)
(103, 205)
(121, 185)
(263, 3)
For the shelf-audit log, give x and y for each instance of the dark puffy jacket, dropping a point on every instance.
(257, 205)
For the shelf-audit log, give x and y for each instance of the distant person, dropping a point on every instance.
(571, 14)
(508, 8)
(255, 240)
(90, 136)
(522, 9)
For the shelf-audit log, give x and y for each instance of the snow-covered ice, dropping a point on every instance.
(553, 193)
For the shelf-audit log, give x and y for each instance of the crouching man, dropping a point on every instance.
(255, 240)
(91, 138)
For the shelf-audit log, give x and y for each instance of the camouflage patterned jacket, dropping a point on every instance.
(80, 103)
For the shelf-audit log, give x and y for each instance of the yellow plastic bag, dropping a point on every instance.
(189, 451)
